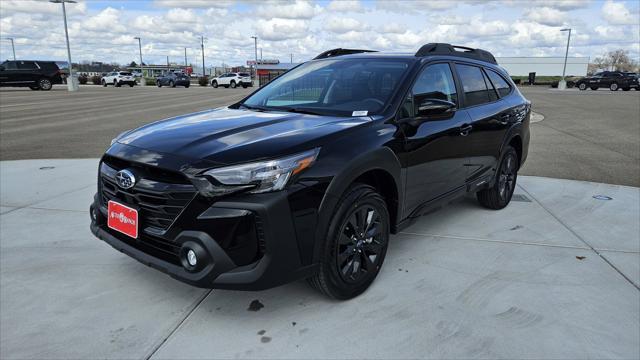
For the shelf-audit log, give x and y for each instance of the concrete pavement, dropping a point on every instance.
(554, 275)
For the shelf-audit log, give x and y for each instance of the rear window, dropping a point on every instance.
(499, 83)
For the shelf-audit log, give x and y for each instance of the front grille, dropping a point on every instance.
(158, 202)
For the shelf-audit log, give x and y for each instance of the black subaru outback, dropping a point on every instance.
(307, 176)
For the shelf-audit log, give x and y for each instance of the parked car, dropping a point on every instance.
(308, 176)
(118, 78)
(36, 74)
(174, 79)
(613, 80)
(232, 80)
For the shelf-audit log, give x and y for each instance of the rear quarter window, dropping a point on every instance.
(473, 84)
(499, 83)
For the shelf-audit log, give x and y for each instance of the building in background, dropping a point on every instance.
(544, 66)
(269, 71)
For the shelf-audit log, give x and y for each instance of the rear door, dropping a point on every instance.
(435, 149)
(8, 74)
(491, 114)
(28, 72)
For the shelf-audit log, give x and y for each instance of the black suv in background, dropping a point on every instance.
(174, 79)
(308, 176)
(613, 80)
(36, 74)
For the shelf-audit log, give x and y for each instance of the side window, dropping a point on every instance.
(473, 83)
(26, 65)
(501, 85)
(493, 93)
(10, 65)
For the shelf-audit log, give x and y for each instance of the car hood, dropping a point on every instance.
(227, 136)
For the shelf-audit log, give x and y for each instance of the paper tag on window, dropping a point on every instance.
(360, 113)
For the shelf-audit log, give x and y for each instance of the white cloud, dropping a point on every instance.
(343, 25)
(281, 29)
(546, 16)
(300, 9)
(106, 20)
(401, 6)
(40, 7)
(616, 13)
(181, 16)
(194, 3)
(345, 6)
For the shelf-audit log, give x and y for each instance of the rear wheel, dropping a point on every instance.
(172, 84)
(582, 86)
(233, 84)
(116, 83)
(45, 84)
(499, 195)
(104, 83)
(355, 245)
(613, 87)
(214, 84)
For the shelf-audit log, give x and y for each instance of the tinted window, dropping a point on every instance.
(26, 65)
(244, 74)
(499, 83)
(125, 73)
(493, 94)
(435, 82)
(475, 88)
(9, 65)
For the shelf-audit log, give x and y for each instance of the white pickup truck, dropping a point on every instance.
(118, 78)
(232, 80)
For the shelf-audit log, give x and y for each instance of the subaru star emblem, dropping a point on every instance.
(125, 179)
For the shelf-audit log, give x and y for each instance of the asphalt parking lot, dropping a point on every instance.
(585, 135)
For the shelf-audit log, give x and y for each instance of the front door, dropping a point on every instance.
(436, 146)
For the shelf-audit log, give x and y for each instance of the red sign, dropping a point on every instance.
(123, 219)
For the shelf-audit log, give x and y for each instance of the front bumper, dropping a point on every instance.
(278, 261)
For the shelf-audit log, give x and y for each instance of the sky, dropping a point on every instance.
(105, 30)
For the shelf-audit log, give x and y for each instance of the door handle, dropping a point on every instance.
(464, 129)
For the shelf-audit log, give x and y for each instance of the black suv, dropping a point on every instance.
(307, 176)
(613, 80)
(37, 75)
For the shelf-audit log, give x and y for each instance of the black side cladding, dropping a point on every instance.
(452, 50)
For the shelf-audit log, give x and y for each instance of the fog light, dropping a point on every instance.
(191, 258)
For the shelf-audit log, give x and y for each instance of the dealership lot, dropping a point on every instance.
(556, 278)
(554, 275)
(585, 135)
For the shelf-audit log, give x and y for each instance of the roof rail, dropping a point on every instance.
(339, 52)
(455, 50)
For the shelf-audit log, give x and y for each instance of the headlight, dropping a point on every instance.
(260, 177)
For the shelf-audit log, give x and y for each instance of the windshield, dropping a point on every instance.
(335, 87)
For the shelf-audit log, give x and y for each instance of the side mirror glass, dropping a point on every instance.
(431, 107)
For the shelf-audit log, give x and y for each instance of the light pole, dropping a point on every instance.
(562, 84)
(202, 46)
(291, 58)
(13, 48)
(255, 49)
(71, 81)
(185, 56)
(143, 82)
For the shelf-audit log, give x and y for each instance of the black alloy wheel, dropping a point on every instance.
(499, 194)
(355, 245)
(613, 87)
(582, 86)
(45, 84)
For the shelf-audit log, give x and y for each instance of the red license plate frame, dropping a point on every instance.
(122, 218)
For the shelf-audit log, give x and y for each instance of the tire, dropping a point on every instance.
(45, 84)
(172, 84)
(594, 88)
(34, 87)
(613, 87)
(499, 194)
(214, 84)
(159, 83)
(344, 271)
(116, 83)
(104, 83)
(582, 86)
(187, 86)
(233, 84)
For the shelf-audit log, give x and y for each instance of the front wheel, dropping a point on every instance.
(104, 83)
(355, 245)
(159, 83)
(172, 84)
(233, 84)
(214, 84)
(613, 87)
(45, 84)
(116, 83)
(582, 86)
(499, 195)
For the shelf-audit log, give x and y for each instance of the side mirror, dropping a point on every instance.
(430, 107)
